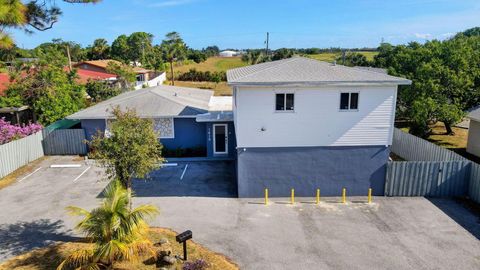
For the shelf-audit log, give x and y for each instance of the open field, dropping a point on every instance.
(330, 57)
(212, 64)
(220, 89)
(390, 233)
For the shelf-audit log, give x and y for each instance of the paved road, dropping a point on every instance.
(392, 233)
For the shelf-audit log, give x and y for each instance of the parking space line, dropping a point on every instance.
(28, 175)
(88, 168)
(184, 170)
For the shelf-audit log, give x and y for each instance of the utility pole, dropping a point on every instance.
(69, 58)
(266, 49)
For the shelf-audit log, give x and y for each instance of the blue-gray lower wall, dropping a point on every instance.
(188, 132)
(307, 168)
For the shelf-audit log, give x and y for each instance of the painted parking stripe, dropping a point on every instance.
(88, 168)
(28, 175)
(184, 170)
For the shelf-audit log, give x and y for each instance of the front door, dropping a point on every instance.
(220, 139)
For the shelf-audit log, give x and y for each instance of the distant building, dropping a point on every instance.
(144, 76)
(228, 53)
(473, 145)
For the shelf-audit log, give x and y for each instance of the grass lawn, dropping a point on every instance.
(456, 143)
(212, 64)
(50, 257)
(221, 89)
(329, 57)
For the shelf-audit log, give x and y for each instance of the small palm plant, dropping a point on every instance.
(117, 233)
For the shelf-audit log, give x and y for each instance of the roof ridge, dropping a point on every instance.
(174, 101)
(283, 61)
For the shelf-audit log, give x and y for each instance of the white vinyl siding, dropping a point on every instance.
(473, 146)
(317, 120)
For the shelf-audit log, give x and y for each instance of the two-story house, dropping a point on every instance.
(306, 124)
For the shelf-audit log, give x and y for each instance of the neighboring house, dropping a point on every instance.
(186, 118)
(143, 76)
(4, 82)
(228, 53)
(473, 145)
(85, 75)
(305, 124)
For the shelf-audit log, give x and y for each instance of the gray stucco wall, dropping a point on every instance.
(307, 168)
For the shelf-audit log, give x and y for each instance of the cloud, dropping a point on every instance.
(423, 36)
(170, 3)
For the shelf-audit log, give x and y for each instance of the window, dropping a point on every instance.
(165, 127)
(284, 102)
(348, 101)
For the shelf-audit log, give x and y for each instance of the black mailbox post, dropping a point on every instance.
(182, 238)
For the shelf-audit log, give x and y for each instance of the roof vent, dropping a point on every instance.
(334, 62)
(175, 94)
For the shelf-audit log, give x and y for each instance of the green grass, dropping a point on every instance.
(330, 57)
(212, 64)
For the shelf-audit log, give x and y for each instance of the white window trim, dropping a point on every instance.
(349, 100)
(226, 140)
(284, 101)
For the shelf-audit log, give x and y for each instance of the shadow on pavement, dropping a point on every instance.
(21, 237)
(460, 214)
(190, 179)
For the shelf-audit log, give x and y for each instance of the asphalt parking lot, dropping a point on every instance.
(391, 233)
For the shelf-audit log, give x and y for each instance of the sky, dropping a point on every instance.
(244, 23)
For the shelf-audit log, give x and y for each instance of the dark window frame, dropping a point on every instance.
(285, 99)
(350, 108)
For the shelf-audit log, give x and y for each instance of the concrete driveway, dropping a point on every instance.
(391, 233)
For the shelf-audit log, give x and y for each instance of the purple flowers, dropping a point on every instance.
(195, 265)
(9, 132)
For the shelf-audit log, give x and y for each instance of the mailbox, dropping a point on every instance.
(184, 236)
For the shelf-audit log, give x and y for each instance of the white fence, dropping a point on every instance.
(18, 153)
(153, 82)
(408, 179)
(412, 147)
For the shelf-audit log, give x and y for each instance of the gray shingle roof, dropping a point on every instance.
(306, 71)
(475, 114)
(158, 101)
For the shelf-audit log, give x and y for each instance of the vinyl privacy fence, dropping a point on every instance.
(18, 153)
(64, 142)
(430, 170)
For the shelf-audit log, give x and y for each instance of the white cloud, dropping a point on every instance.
(170, 3)
(423, 36)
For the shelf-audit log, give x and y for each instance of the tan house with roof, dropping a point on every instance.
(144, 76)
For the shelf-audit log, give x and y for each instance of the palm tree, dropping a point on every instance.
(173, 49)
(117, 233)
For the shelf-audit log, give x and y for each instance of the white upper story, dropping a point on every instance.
(300, 102)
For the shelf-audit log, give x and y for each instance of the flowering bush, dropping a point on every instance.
(195, 265)
(9, 132)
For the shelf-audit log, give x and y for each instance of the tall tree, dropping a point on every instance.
(132, 150)
(174, 49)
(120, 49)
(99, 50)
(39, 15)
(139, 46)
